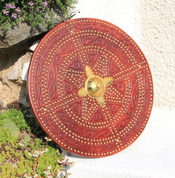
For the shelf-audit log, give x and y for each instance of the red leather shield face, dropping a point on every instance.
(90, 87)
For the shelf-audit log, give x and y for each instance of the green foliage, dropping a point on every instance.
(8, 155)
(12, 151)
(7, 170)
(32, 12)
(25, 160)
(27, 155)
(25, 140)
(2, 158)
(26, 163)
(11, 126)
(38, 143)
(47, 159)
(5, 136)
(16, 116)
(16, 154)
(6, 148)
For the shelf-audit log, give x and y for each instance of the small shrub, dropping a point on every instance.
(6, 148)
(12, 151)
(27, 155)
(16, 116)
(8, 155)
(32, 12)
(25, 140)
(14, 130)
(34, 159)
(16, 155)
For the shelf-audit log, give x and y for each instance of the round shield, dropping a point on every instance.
(90, 87)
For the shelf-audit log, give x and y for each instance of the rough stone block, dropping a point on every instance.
(25, 71)
(34, 45)
(14, 74)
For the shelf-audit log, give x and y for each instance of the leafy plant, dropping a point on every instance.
(33, 12)
(38, 158)
(14, 130)
(25, 140)
(16, 116)
(38, 163)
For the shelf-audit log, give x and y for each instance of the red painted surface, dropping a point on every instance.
(57, 73)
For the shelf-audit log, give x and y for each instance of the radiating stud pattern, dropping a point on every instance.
(73, 114)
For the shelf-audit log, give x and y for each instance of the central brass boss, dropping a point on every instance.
(95, 86)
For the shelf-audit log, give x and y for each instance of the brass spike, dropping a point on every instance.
(101, 101)
(82, 92)
(89, 72)
(107, 81)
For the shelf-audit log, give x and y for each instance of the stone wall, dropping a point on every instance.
(16, 49)
(12, 61)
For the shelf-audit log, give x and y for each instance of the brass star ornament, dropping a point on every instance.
(95, 86)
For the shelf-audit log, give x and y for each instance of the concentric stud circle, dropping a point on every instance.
(90, 87)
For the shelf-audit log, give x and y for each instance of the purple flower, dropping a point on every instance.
(6, 12)
(18, 10)
(11, 6)
(31, 3)
(14, 15)
(45, 3)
